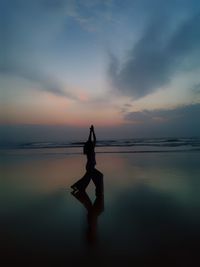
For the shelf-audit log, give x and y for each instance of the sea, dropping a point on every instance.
(132, 145)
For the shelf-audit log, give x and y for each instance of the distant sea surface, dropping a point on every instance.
(116, 146)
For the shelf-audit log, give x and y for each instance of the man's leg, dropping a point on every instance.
(97, 178)
(82, 183)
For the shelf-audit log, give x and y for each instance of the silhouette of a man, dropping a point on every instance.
(88, 150)
(91, 171)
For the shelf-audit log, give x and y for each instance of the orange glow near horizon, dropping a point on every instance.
(48, 109)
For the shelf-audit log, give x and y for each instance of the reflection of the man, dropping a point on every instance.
(93, 209)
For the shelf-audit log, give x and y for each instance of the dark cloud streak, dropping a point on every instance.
(157, 56)
(178, 121)
(43, 82)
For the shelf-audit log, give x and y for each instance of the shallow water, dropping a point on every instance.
(149, 214)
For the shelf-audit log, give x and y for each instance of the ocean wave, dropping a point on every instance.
(135, 143)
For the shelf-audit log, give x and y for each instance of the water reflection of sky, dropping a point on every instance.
(151, 208)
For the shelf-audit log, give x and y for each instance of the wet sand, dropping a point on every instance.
(148, 216)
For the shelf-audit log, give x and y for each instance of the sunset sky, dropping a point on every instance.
(130, 67)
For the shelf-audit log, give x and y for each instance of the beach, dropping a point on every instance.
(147, 216)
(99, 133)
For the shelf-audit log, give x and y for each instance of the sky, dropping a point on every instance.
(131, 68)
